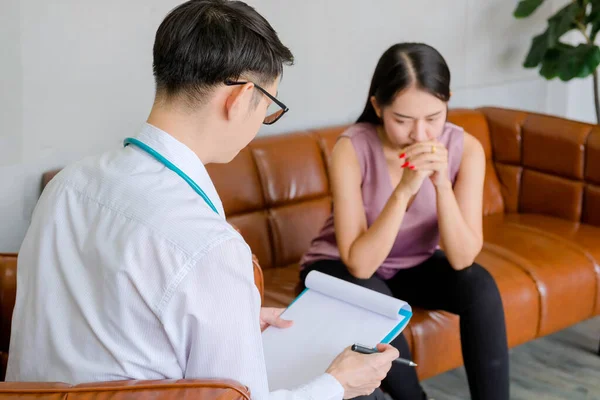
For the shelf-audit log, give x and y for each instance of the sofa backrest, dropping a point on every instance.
(276, 191)
(547, 165)
(475, 123)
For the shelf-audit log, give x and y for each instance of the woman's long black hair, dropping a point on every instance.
(403, 65)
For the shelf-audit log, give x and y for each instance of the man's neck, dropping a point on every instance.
(190, 129)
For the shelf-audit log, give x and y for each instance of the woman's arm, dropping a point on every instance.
(362, 250)
(460, 210)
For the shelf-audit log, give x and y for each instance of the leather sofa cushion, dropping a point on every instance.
(561, 257)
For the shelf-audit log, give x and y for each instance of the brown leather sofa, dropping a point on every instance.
(541, 225)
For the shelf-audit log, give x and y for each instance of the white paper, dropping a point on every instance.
(357, 295)
(323, 326)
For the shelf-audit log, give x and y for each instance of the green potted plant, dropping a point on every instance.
(566, 61)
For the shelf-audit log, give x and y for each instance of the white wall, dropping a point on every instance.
(10, 84)
(580, 101)
(76, 76)
(12, 218)
(481, 41)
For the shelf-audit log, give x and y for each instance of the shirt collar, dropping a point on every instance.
(183, 158)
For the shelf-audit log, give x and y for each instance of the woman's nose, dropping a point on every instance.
(419, 133)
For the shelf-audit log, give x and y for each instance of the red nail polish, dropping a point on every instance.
(402, 155)
(405, 164)
(412, 167)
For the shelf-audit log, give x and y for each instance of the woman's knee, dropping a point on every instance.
(478, 286)
(373, 283)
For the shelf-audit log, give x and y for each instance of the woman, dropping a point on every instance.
(407, 215)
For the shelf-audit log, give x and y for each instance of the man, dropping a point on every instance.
(129, 269)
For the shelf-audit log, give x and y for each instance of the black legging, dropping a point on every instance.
(435, 285)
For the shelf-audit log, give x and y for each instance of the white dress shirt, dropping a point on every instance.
(126, 273)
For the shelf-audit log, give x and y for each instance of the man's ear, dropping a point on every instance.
(238, 101)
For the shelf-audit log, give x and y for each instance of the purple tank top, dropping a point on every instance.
(418, 237)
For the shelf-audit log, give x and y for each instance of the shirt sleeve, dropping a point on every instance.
(212, 321)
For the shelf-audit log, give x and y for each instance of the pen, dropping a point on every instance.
(365, 350)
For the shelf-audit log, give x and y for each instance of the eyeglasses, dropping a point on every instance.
(276, 108)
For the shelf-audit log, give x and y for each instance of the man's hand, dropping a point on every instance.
(270, 317)
(361, 374)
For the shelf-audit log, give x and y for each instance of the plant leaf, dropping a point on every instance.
(526, 7)
(568, 62)
(539, 46)
(562, 22)
(582, 62)
(551, 62)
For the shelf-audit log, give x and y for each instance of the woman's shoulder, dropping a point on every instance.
(360, 130)
(453, 137)
(472, 146)
(358, 146)
(462, 146)
(361, 135)
(468, 142)
(451, 129)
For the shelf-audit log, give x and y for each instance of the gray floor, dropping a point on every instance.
(560, 366)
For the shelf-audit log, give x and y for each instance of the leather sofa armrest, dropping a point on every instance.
(8, 288)
(198, 389)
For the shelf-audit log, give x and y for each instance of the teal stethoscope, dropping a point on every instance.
(143, 146)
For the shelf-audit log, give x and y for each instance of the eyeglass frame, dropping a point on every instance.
(269, 95)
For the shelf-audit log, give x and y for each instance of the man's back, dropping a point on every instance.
(111, 240)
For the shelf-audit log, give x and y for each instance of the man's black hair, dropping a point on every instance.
(202, 43)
